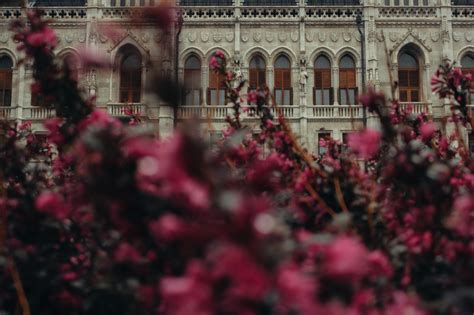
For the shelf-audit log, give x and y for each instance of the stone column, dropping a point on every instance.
(204, 83)
(335, 83)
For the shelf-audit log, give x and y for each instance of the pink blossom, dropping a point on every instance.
(168, 228)
(427, 131)
(51, 203)
(366, 143)
(345, 260)
(46, 37)
(379, 265)
(127, 253)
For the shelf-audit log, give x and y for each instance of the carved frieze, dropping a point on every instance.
(245, 37)
(229, 36)
(270, 37)
(217, 37)
(204, 37)
(294, 36)
(435, 36)
(192, 36)
(457, 36)
(322, 37)
(257, 37)
(309, 36)
(346, 36)
(334, 36)
(282, 36)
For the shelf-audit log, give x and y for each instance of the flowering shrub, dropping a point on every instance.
(120, 222)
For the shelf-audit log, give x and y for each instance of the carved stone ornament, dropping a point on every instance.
(309, 36)
(322, 37)
(68, 38)
(204, 37)
(217, 37)
(346, 36)
(468, 36)
(334, 36)
(257, 37)
(269, 37)
(380, 36)
(282, 37)
(294, 36)
(457, 36)
(81, 37)
(103, 39)
(4, 37)
(435, 36)
(229, 36)
(245, 37)
(145, 38)
(393, 36)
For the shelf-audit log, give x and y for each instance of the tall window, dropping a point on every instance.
(130, 78)
(467, 63)
(192, 80)
(283, 89)
(216, 90)
(72, 63)
(257, 75)
(347, 81)
(6, 65)
(323, 92)
(408, 78)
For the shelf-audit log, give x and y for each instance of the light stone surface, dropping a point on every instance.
(435, 32)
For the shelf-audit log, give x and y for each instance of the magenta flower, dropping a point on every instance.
(365, 144)
(52, 203)
(46, 37)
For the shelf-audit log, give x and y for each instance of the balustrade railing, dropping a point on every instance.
(332, 12)
(416, 108)
(462, 12)
(336, 111)
(7, 112)
(125, 109)
(408, 12)
(38, 113)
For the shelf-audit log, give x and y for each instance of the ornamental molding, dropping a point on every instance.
(410, 37)
(192, 36)
(229, 36)
(295, 36)
(245, 37)
(204, 37)
(257, 37)
(457, 36)
(282, 37)
(217, 37)
(269, 36)
(309, 36)
(130, 36)
(435, 36)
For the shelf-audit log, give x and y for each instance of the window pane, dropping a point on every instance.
(286, 100)
(322, 62)
(282, 63)
(189, 98)
(343, 96)
(326, 97)
(221, 97)
(196, 97)
(407, 61)
(278, 96)
(351, 97)
(415, 96)
(193, 62)
(318, 96)
(213, 97)
(347, 62)
(257, 62)
(403, 96)
(6, 62)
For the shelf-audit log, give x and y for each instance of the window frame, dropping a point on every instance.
(348, 90)
(405, 92)
(134, 87)
(6, 82)
(283, 92)
(325, 76)
(191, 84)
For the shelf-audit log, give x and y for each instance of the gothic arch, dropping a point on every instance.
(283, 51)
(463, 52)
(348, 51)
(253, 51)
(7, 52)
(191, 51)
(326, 51)
(128, 43)
(410, 44)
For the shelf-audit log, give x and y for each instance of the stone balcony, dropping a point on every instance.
(124, 109)
(35, 113)
(8, 112)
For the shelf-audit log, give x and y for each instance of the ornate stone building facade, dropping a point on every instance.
(314, 55)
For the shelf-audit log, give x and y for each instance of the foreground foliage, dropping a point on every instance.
(116, 221)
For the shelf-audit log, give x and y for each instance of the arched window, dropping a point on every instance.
(216, 90)
(257, 73)
(192, 80)
(347, 81)
(467, 63)
(323, 92)
(283, 89)
(130, 77)
(6, 65)
(72, 63)
(408, 78)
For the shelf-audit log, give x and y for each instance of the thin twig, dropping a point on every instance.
(339, 195)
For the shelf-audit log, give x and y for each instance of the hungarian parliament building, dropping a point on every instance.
(315, 56)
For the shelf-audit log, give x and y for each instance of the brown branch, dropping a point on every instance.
(19, 287)
(339, 195)
(319, 200)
